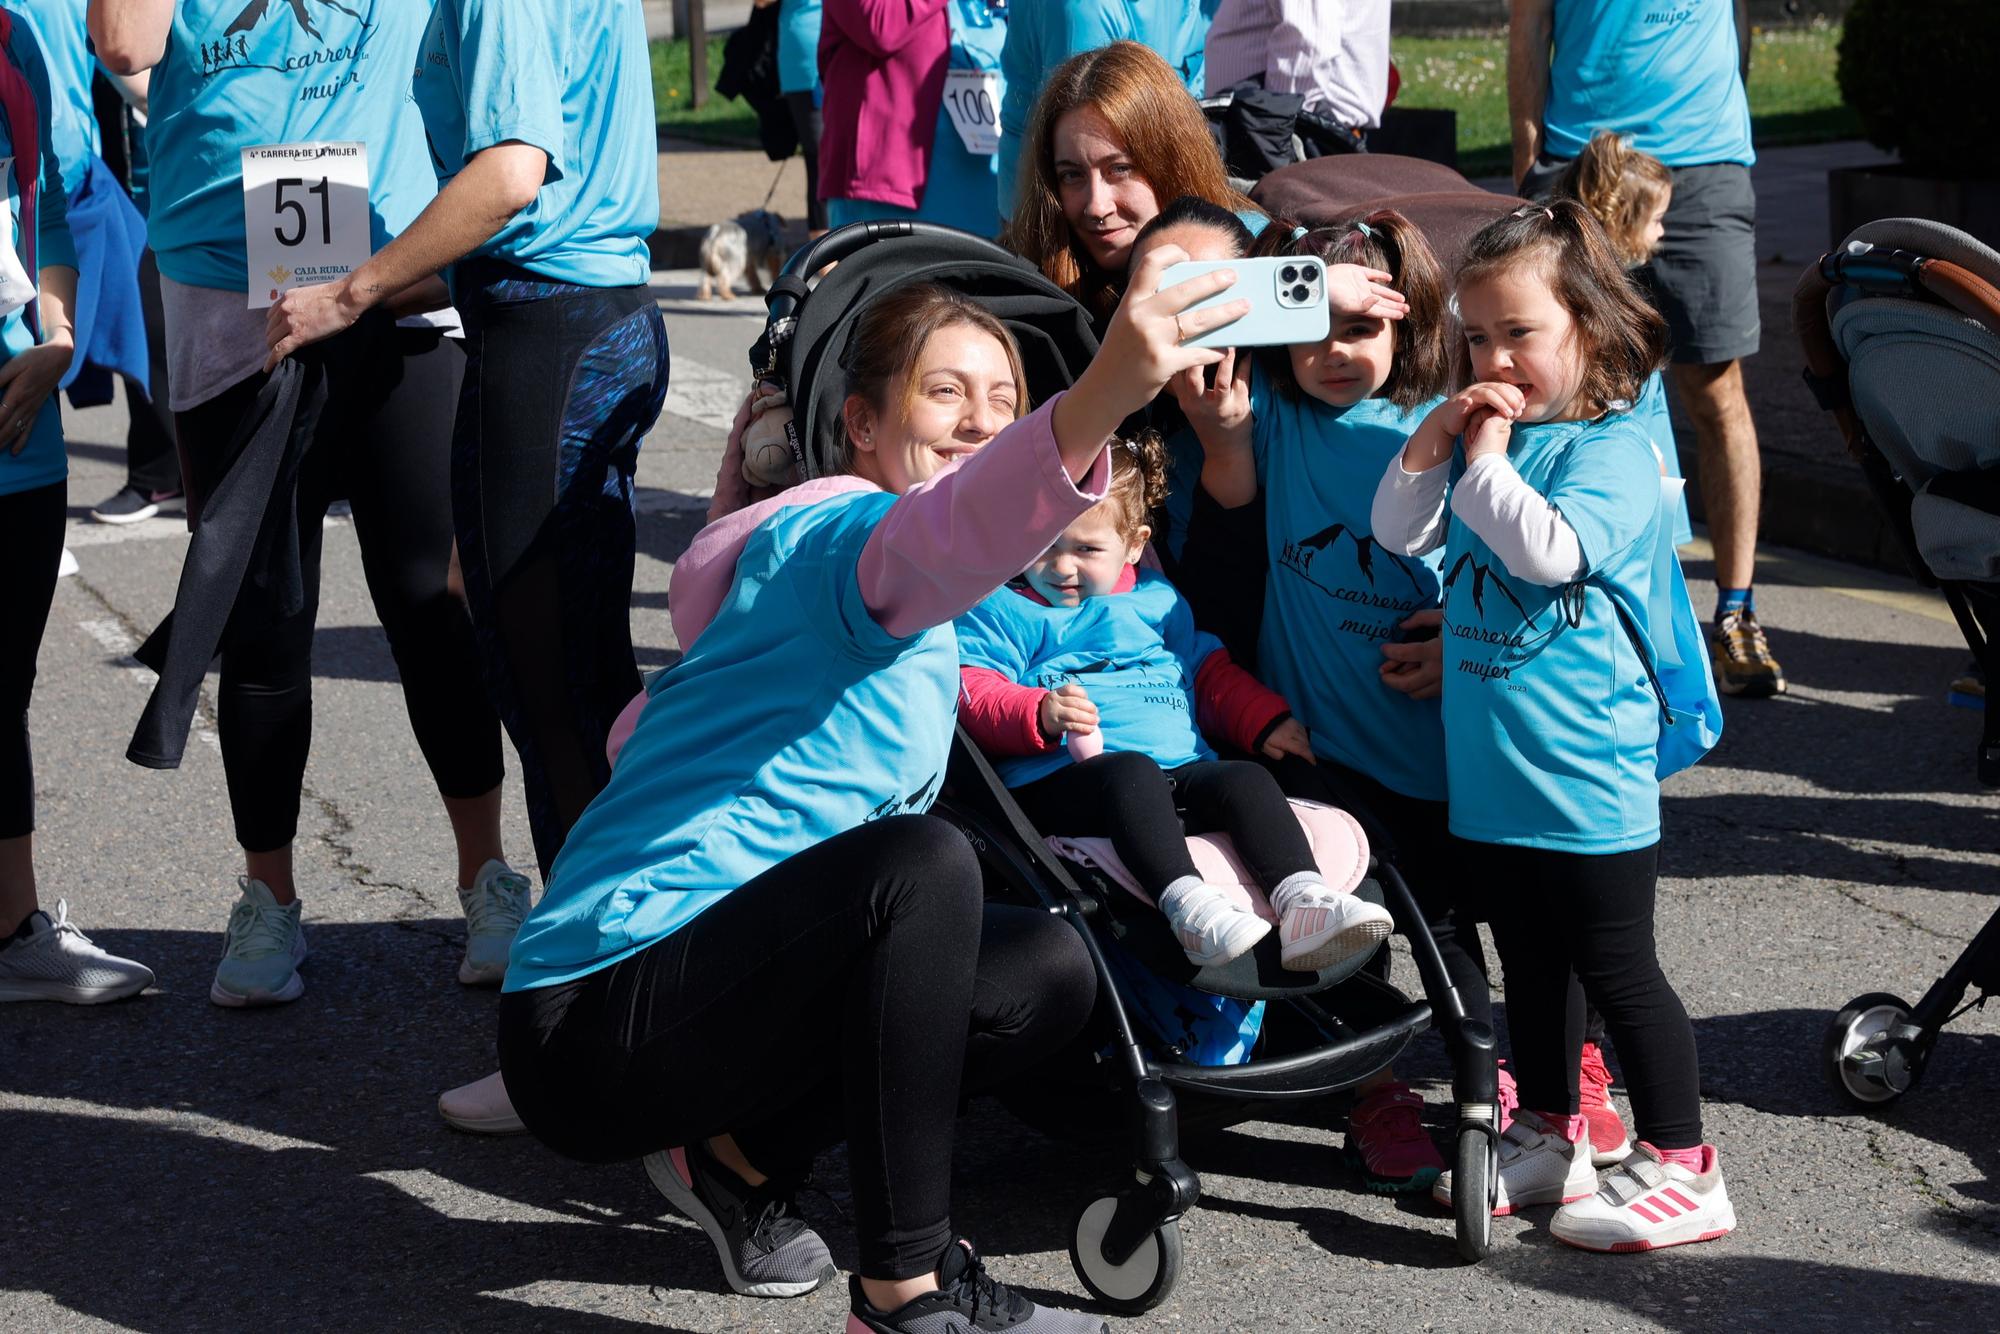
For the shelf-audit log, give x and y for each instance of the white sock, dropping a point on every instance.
(1286, 894)
(1181, 895)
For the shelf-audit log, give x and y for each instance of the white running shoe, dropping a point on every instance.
(1537, 1166)
(261, 951)
(1646, 1202)
(481, 1108)
(67, 566)
(494, 907)
(55, 961)
(1318, 928)
(1211, 929)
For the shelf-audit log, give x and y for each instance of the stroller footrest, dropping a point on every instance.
(1311, 1074)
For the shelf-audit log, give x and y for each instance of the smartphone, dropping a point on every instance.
(1287, 295)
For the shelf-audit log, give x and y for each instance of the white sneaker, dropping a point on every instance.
(1537, 1166)
(67, 566)
(55, 961)
(261, 951)
(494, 907)
(481, 1108)
(1646, 1202)
(1318, 928)
(1211, 929)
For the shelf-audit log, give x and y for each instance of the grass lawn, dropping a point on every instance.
(1793, 97)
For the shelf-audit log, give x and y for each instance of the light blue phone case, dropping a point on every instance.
(1287, 295)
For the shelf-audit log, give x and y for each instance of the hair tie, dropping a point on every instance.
(1365, 230)
(1298, 232)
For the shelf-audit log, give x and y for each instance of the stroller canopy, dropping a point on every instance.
(806, 340)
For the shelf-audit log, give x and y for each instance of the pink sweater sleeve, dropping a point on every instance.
(948, 543)
(1002, 716)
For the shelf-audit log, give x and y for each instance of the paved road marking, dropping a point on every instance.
(115, 640)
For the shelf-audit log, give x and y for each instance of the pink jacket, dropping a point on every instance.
(882, 63)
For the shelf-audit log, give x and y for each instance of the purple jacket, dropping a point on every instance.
(882, 63)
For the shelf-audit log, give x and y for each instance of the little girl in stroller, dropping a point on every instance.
(1085, 611)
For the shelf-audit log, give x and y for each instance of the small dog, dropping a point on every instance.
(754, 242)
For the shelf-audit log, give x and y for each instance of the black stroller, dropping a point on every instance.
(1125, 1241)
(1901, 328)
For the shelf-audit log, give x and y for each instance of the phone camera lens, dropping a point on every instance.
(1288, 274)
(1301, 292)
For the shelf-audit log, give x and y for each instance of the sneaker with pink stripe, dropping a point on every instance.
(1647, 1202)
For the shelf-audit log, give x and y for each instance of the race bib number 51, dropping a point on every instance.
(305, 216)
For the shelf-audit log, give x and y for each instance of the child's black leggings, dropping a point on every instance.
(1124, 796)
(1581, 926)
(853, 991)
(31, 543)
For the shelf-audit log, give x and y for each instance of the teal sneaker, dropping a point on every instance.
(261, 951)
(494, 907)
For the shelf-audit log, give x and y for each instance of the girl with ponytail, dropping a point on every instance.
(1088, 681)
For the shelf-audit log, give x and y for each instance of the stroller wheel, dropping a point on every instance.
(1475, 1189)
(1869, 1061)
(1148, 1276)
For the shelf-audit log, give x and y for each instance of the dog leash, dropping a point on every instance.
(772, 192)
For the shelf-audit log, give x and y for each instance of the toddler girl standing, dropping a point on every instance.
(1551, 726)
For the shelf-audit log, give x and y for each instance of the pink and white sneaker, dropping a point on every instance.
(1318, 928)
(1646, 1203)
(1609, 1142)
(1211, 928)
(1538, 1165)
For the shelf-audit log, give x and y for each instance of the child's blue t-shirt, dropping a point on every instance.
(1650, 412)
(1135, 653)
(235, 77)
(1551, 727)
(1334, 596)
(793, 718)
(42, 461)
(574, 80)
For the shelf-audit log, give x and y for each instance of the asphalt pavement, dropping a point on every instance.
(174, 1166)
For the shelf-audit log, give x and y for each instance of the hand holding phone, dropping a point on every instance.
(1287, 296)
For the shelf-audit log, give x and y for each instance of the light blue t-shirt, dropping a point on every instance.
(959, 190)
(572, 78)
(66, 47)
(1551, 728)
(1135, 653)
(236, 76)
(1334, 596)
(42, 461)
(793, 718)
(1650, 412)
(798, 45)
(1665, 72)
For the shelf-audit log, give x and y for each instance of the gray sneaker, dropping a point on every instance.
(765, 1248)
(494, 907)
(53, 961)
(261, 951)
(967, 1301)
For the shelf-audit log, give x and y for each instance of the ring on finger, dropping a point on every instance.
(1180, 334)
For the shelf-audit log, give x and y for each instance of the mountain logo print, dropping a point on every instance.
(258, 10)
(915, 804)
(1482, 574)
(1300, 554)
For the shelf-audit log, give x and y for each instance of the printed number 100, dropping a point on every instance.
(298, 210)
(974, 106)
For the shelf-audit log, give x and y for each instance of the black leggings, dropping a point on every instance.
(806, 120)
(561, 386)
(1124, 796)
(1414, 835)
(384, 443)
(31, 543)
(840, 994)
(1588, 932)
